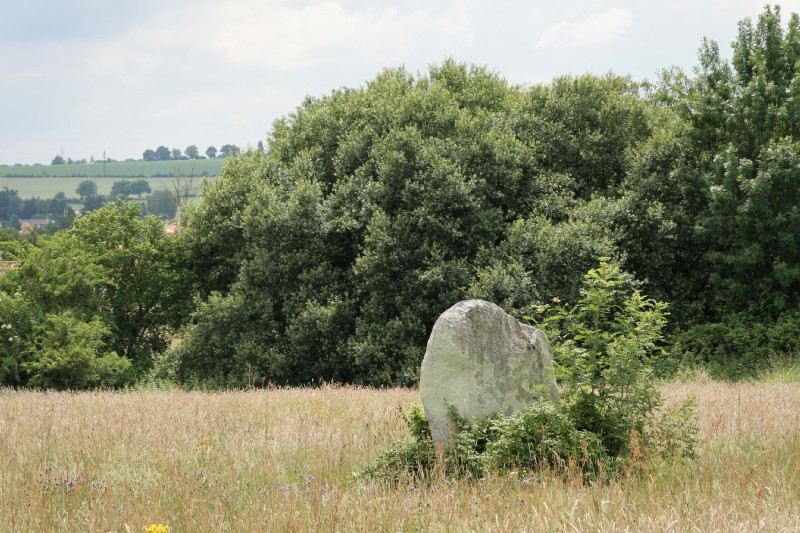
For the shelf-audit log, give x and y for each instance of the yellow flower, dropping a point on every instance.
(157, 528)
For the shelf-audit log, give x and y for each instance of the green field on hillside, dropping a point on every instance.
(49, 187)
(131, 169)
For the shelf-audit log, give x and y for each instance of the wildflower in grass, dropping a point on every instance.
(157, 528)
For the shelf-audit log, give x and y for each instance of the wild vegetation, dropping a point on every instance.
(609, 414)
(281, 460)
(92, 304)
(374, 209)
(328, 255)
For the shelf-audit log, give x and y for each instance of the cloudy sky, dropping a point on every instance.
(89, 76)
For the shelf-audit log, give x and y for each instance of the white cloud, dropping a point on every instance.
(754, 6)
(204, 102)
(601, 28)
(287, 36)
(277, 34)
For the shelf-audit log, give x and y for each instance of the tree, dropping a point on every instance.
(105, 289)
(120, 188)
(176, 153)
(21, 316)
(161, 204)
(604, 347)
(180, 189)
(94, 203)
(69, 354)
(57, 205)
(742, 147)
(191, 151)
(229, 149)
(162, 153)
(330, 256)
(211, 152)
(86, 189)
(138, 187)
(149, 155)
(32, 206)
(57, 160)
(10, 203)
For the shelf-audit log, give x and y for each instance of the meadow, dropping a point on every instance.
(122, 169)
(48, 187)
(281, 460)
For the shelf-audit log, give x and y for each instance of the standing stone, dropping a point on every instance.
(482, 361)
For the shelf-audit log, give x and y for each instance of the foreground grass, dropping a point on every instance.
(280, 460)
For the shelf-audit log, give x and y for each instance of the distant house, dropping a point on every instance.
(28, 225)
(171, 227)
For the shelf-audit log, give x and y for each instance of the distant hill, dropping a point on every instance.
(47, 187)
(126, 169)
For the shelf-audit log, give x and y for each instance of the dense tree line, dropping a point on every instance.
(14, 209)
(162, 153)
(374, 210)
(162, 203)
(328, 254)
(90, 305)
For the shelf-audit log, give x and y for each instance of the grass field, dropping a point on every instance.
(280, 460)
(134, 169)
(49, 187)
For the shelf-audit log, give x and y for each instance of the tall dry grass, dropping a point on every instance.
(280, 460)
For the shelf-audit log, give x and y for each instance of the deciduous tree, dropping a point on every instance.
(86, 189)
(109, 285)
(330, 256)
(162, 153)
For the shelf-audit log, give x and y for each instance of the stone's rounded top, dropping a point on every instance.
(465, 308)
(481, 361)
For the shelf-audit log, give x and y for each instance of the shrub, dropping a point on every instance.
(71, 354)
(739, 345)
(543, 436)
(603, 347)
(610, 417)
(408, 458)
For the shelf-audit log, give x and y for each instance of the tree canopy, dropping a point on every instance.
(375, 209)
(91, 305)
(86, 189)
(328, 254)
(130, 188)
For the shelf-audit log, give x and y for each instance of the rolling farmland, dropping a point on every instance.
(125, 169)
(49, 187)
(45, 181)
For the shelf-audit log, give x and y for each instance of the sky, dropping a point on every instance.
(88, 77)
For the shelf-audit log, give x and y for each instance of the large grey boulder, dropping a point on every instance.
(482, 361)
